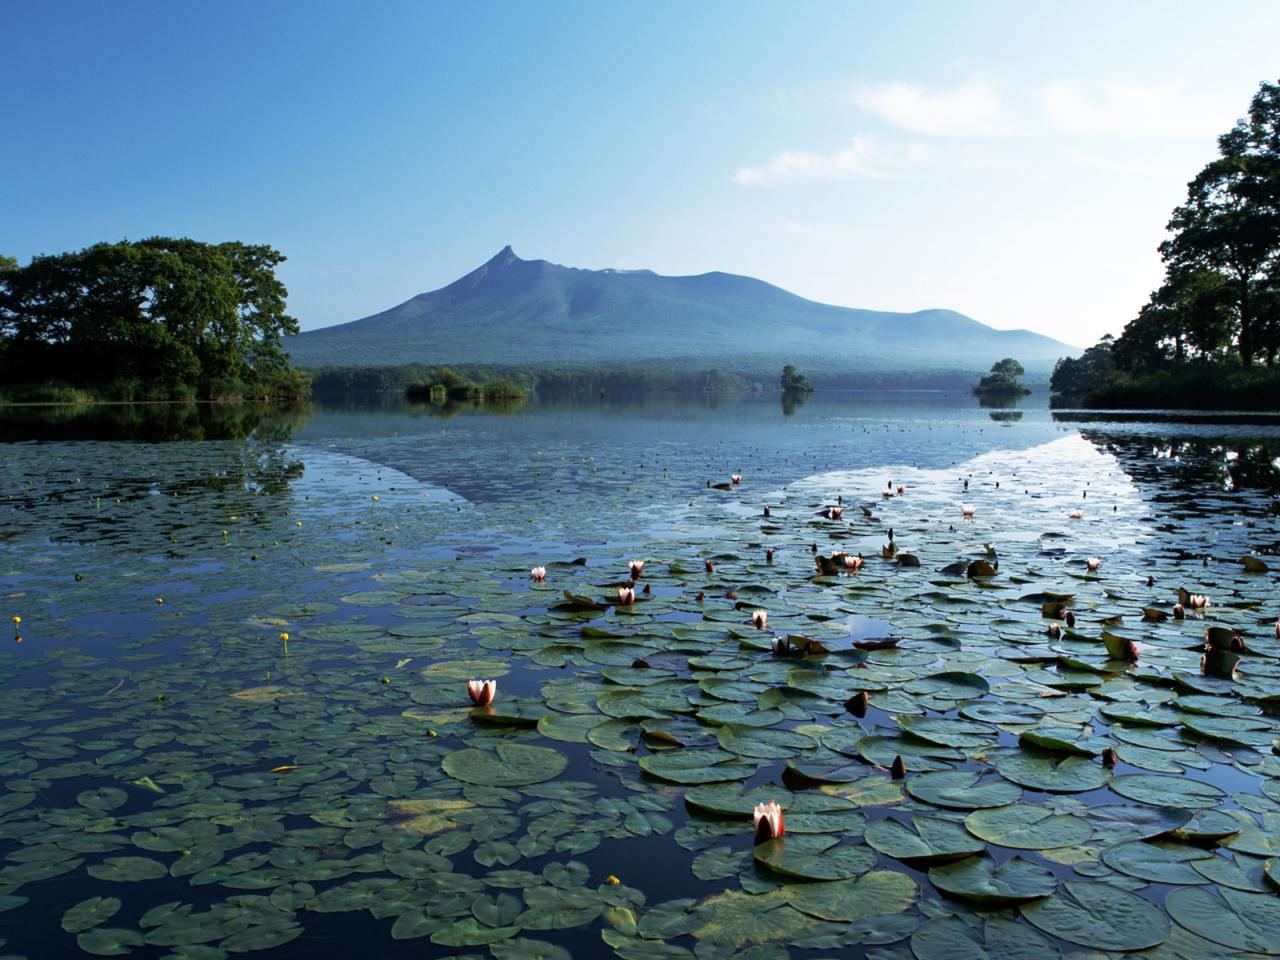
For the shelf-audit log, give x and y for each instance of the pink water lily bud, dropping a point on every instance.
(1132, 650)
(626, 596)
(1055, 631)
(637, 568)
(853, 564)
(711, 567)
(1198, 601)
(760, 618)
(901, 489)
(482, 691)
(539, 574)
(967, 511)
(735, 478)
(1075, 514)
(767, 511)
(1092, 564)
(835, 513)
(781, 646)
(768, 558)
(1069, 618)
(1109, 757)
(1179, 611)
(768, 821)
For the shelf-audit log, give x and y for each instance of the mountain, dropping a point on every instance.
(535, 313)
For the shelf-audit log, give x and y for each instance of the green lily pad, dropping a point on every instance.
(90, 913)
(512, 765)
(109, 941)
(1157, 862)
(1028, 826)
(877, 893)
(961, 790)
(696, 766)
(1050, 772)
(1100, 916)
(814, 857)
(950, 938)
(1242, 921)
(927, 842)
(1165, 791)
(979, 880)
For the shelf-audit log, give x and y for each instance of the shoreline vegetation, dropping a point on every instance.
(1209, 337)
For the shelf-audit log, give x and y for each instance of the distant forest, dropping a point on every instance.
(1210, 335)
(161, 318)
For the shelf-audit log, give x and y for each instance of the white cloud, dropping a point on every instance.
(865, 158)
(854, 162)
(1140, 110)
(975, 109)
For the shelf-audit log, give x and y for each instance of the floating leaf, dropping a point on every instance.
(961, 790)
(1101, 916)
(979, 879)
(513, 765)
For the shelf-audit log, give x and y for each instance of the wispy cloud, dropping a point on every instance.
(865, 158)
(1160, 110)
(973, 109)
(854, 162)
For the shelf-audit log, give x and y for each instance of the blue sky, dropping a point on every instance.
(1016, 162)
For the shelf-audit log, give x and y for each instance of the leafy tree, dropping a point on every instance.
(170, 314)
(1003, 378)
(1230, 222)
(792, 381)
(1074, 378)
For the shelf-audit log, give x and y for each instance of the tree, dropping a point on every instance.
(1230, 222)
(1003, 378)
(174, 314)
(792, 381)
(1074, 378)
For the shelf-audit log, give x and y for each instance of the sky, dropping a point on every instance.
(1014, 161)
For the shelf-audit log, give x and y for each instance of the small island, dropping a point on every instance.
(794, 382)
(1003, 382)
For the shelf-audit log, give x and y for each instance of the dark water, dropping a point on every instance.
(151, 712)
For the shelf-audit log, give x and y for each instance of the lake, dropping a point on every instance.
(235, 715)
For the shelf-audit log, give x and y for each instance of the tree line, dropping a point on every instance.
(149, 319)
(1219, 305)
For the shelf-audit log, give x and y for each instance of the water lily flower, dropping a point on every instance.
(781, 646)
(853, 564)
(1132, 649)
(539, 574)
(967, 511)
(1198, 601)
(1055, 631)
(1069, 618)
(760, 618)
(886, 494)
(768, 558)
(1109, 757)
(1179, 611)
(637, 568)
(768, 821)
(482, 691)
(735, 478)
(767, 511)
(626, 596)
(901, 489)
(835, 513)
(711, 567)
(1075, 514)
(1092, 564)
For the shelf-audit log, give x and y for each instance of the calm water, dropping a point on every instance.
(180, 782)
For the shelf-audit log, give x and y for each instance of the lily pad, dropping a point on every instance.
(981, 881)
(512, 765)
(1100, 916)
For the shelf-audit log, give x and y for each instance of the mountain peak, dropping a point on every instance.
(503, 257)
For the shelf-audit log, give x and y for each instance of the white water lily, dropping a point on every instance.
(760, 618)
(768, 821)
(482, 692)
